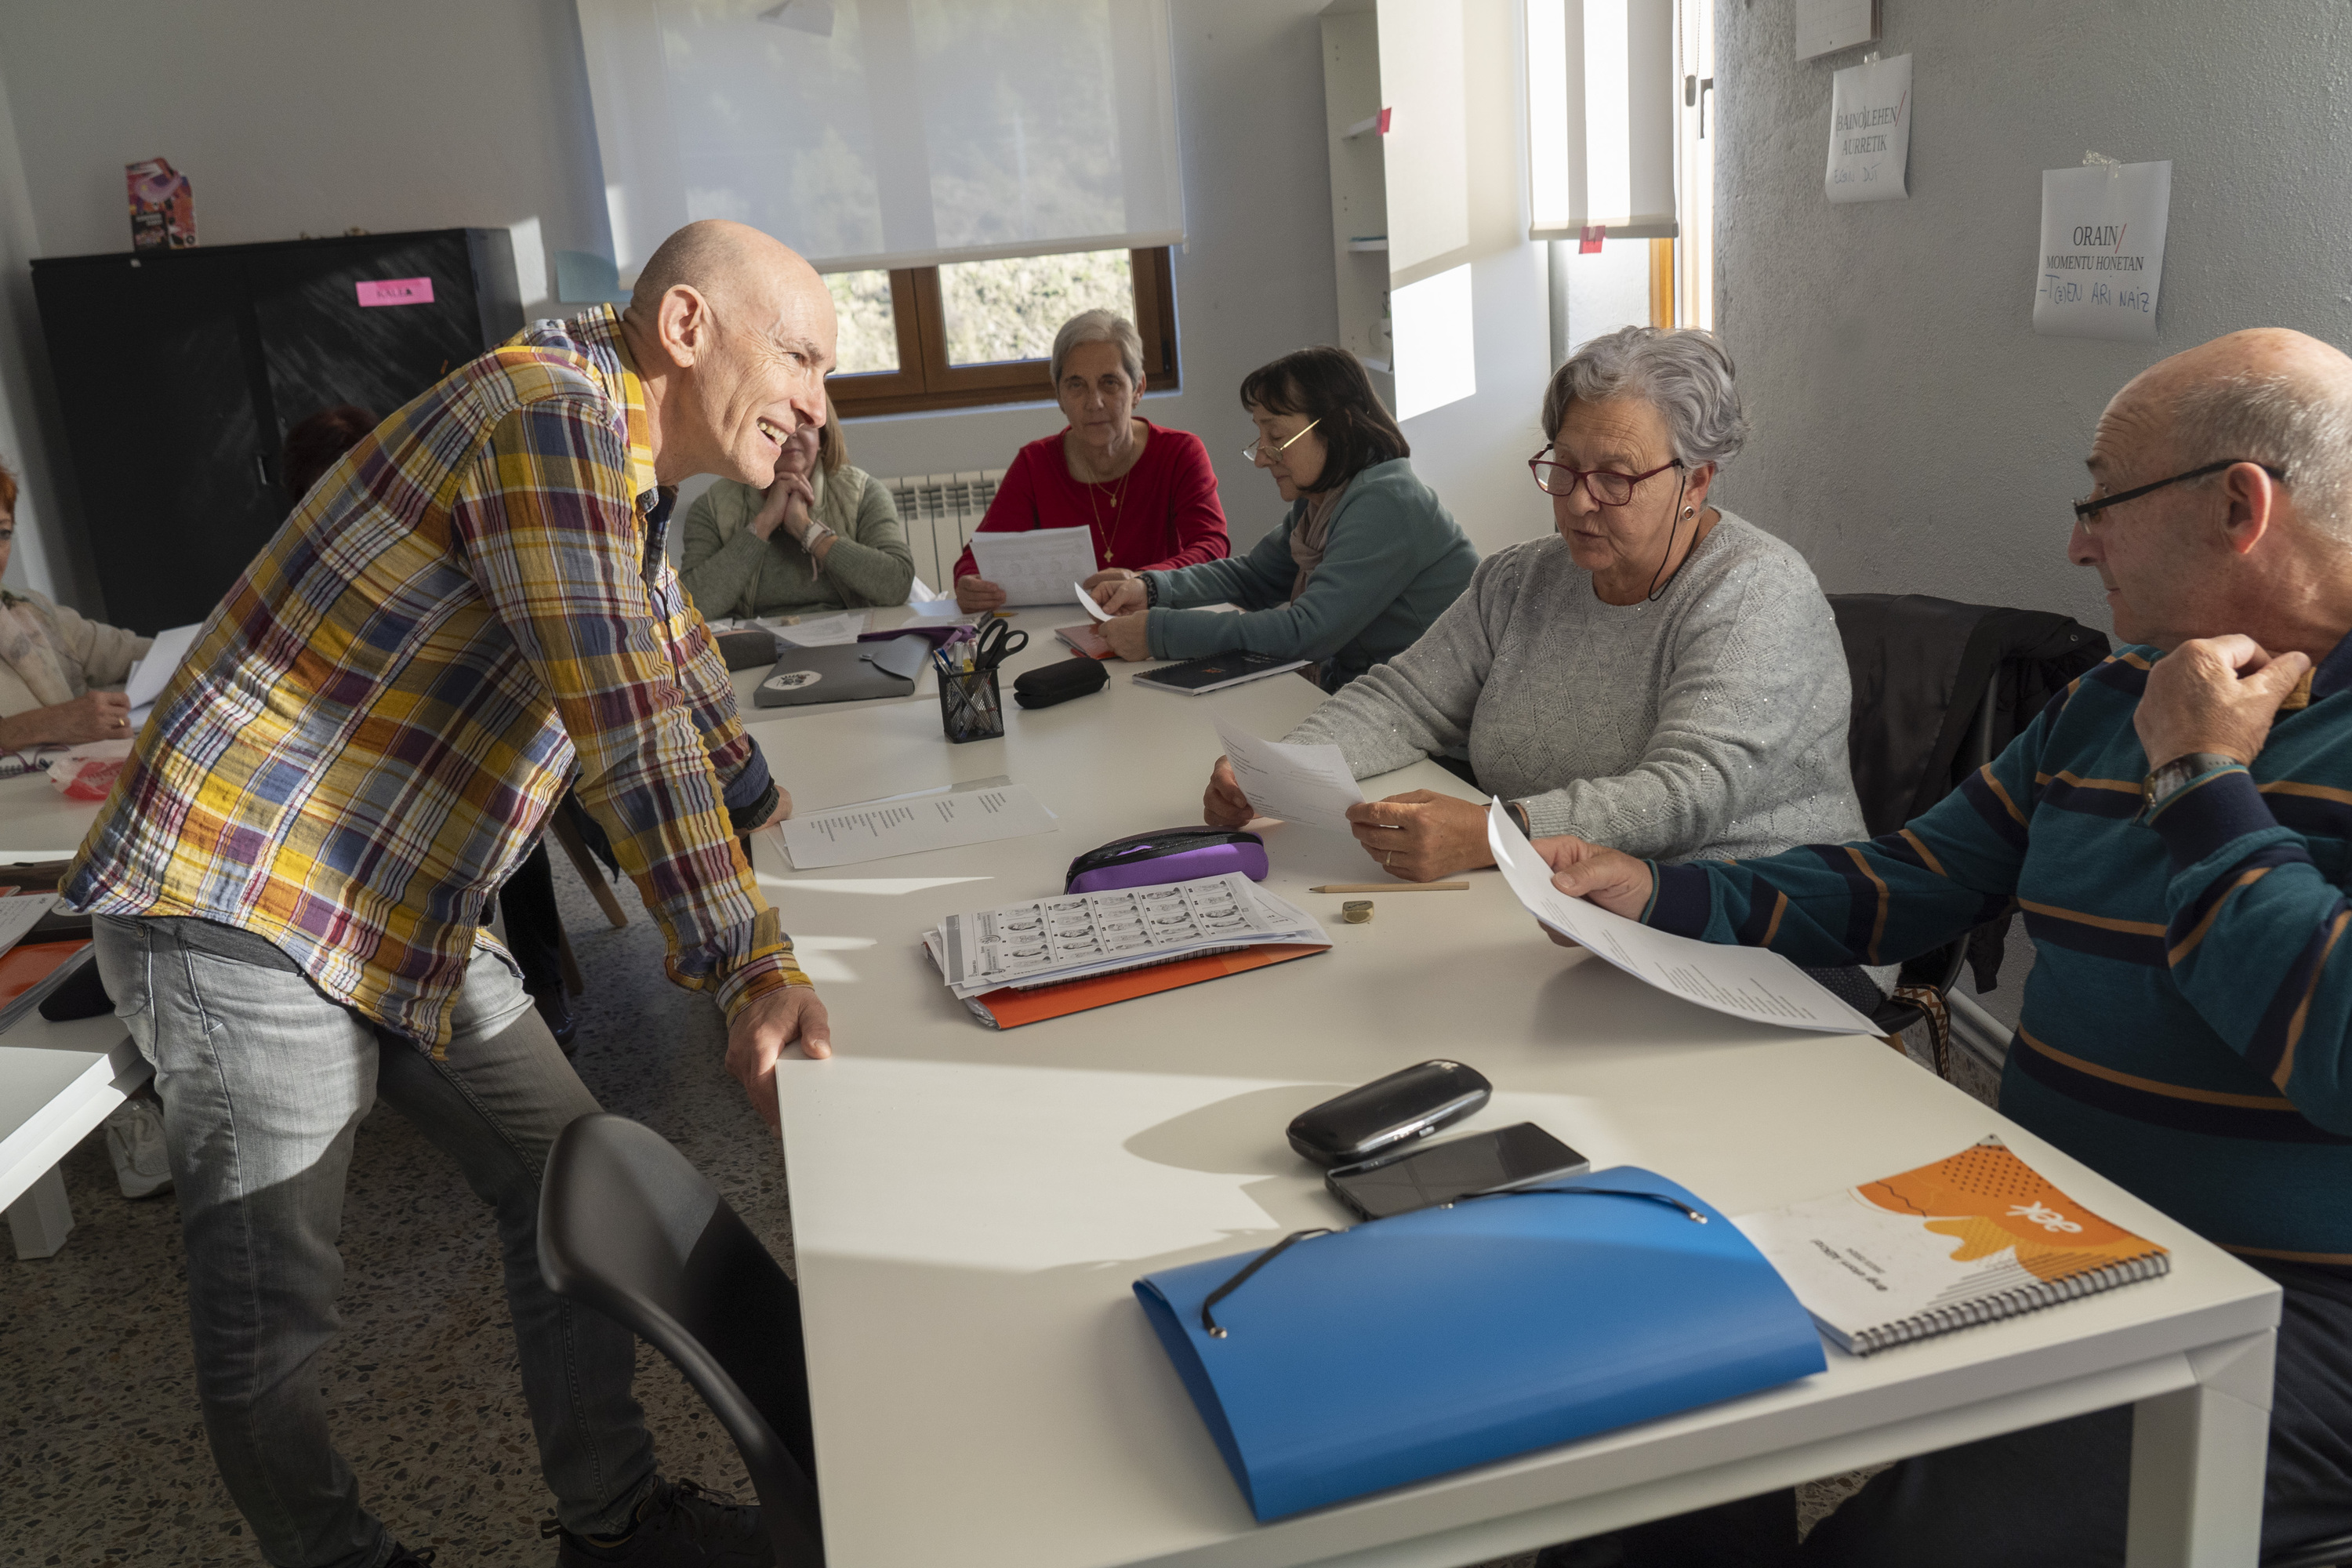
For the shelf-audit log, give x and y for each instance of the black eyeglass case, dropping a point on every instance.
(1390, 1115)
(1058, 682)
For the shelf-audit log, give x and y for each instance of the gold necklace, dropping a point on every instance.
(1102, 542)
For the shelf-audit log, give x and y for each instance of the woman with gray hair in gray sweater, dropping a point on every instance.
(1659, 674)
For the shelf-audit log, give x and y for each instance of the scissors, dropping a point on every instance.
(998, 642)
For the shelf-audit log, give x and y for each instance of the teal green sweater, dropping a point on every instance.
(2187, 1025)
(1392, 559)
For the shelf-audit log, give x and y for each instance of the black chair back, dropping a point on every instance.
(628, 1228)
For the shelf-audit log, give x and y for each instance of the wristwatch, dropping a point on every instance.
(2162, 784)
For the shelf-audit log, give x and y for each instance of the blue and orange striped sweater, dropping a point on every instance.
(2187, 1029)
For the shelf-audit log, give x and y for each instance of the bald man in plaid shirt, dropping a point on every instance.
(290, 879)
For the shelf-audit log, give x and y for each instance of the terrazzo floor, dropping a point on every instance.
(102, 1454)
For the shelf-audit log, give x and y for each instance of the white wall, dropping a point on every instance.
(1911, 433)
(45, 558)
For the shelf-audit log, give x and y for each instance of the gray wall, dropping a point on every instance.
(1911, 433)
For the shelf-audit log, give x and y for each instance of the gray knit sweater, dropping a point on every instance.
(1709, 725)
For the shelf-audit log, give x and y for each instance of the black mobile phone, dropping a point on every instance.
(1433, 1173)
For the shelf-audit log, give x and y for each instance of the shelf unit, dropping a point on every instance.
(1360, 201)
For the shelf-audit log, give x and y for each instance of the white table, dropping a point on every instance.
(970, 1207)
(57, 1081)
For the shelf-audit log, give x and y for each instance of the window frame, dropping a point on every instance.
(926, 383)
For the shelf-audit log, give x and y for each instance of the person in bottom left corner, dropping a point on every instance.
(287, 883)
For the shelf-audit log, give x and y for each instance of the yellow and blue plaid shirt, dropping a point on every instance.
(369, 731)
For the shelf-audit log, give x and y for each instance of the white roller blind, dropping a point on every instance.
(869, 133)
(1601, 118)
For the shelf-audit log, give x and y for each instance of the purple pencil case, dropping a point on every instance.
(1170, 855)
(940, 636)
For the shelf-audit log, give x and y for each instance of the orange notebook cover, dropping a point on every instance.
(1086, 640)
(26, 964)
(1009, 1007)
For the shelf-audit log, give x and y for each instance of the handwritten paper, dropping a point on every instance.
(1087, 600)
(1869, 131)
(1310, 785)
(1034, 567)
(910, 824)
(2102, 250)
(1745, 982)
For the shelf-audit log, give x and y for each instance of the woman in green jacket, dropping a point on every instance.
(823, 536)
(1355, 574)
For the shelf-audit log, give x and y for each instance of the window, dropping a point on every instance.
(973, 332)
(1697, 128)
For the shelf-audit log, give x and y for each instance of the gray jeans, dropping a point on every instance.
(264, 1083)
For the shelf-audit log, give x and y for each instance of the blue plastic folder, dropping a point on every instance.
(1412, 1346)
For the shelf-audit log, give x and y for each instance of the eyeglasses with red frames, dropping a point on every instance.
(1606, 485)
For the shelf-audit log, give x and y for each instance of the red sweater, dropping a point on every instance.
(1166, 514)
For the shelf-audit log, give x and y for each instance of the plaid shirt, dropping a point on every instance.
(370, 729)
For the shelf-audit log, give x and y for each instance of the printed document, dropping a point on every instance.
(2102, 257)
(820, 631)
(1036, 567)
(878, 829)
(1048, 941)
(1310, 785)
(1745, 982)
(21, 913)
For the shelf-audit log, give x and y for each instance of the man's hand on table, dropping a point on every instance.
(1609, 877)
(1421, 835)
(757, 1038)
(2214, 694)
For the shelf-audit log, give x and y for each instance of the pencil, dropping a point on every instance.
(1390, 887)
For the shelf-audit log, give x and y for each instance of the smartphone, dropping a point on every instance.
(1518, 1156)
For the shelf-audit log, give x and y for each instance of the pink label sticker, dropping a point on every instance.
(397, 291)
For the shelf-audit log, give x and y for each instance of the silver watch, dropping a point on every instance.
(2162, 784)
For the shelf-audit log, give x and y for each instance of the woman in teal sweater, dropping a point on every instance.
(823, 536)
(1358, 570)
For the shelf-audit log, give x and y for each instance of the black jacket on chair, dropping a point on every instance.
(1939, 689)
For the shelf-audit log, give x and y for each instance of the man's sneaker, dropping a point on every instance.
(401, 1557)
(679, 1525)
(134, 1142)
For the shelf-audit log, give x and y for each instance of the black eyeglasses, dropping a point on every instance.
(2084, 508)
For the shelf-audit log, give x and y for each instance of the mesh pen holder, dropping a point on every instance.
(970, 706)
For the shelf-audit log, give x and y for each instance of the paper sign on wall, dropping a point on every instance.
(2102, 250)
(1869, 131)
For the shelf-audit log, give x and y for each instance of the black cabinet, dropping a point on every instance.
(179, 373)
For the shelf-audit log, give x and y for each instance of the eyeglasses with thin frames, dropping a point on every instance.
(1258, 448)
(1606, 485)
(2086, 509)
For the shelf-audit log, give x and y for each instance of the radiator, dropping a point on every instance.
(939, 512)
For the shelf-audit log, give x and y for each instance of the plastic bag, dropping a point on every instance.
(87, 773)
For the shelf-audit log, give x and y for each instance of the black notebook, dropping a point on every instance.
(1217, 671)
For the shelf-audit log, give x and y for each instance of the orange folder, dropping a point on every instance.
(28, 963)
(1008, 1006)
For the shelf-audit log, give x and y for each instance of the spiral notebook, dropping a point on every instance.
(1971, 1239)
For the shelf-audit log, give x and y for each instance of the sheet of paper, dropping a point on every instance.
(875, 830)
(936, 613)
(821, 631)
(1036, 567)
(152, 673)
(1869, 131)
(1826, 24)
(1080, 933)
(1310, 785)
(1087, 600)
(19, 914)
(2102, 250)
(1745, 982)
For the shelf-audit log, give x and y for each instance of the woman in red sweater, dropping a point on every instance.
(1148, 493)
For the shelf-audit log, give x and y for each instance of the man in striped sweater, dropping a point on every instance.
(2177, 828)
